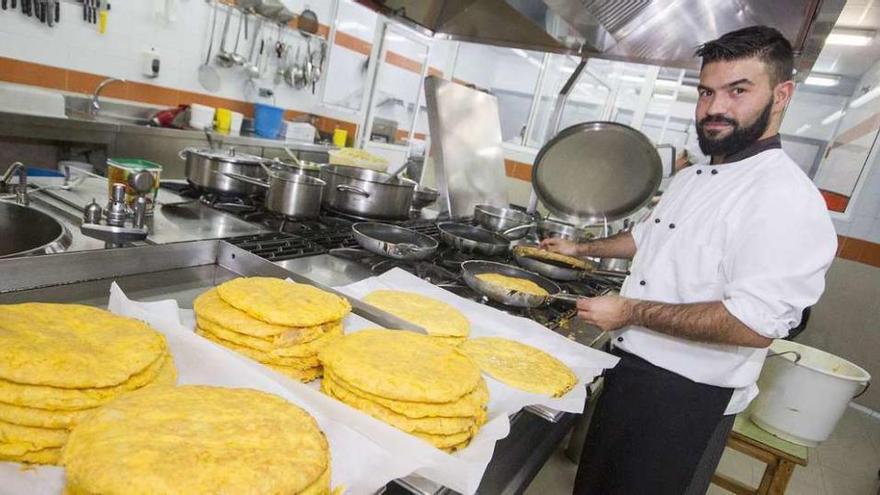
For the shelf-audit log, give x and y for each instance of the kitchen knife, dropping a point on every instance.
(50, 12)
(4, 4)
(57, 10)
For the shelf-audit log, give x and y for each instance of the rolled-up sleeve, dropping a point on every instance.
(778, 250)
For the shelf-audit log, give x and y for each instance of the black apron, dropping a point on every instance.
(649, 431)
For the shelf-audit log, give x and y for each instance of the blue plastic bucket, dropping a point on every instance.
(267, 120)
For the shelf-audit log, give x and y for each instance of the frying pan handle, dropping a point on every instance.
(565, 297)
(243, 178)
(352, 189)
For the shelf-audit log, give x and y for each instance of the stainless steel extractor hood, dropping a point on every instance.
(658, 32)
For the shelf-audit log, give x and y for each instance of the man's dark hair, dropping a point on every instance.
(763, 42)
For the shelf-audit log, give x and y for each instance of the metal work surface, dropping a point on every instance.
(175, 218)
(466, 146)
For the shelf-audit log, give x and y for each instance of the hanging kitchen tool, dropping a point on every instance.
(472, 268)
(238, 59)
(269, 8)
(308, 21)
(251, 68)
(284, 16)
(224, 58)
(471, 239)
(596, 171)
(209, 78)
(316, 76)
(393, 241)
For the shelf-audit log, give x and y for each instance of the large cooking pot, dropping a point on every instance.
(367, 193)
(205, 169)
(290, 194)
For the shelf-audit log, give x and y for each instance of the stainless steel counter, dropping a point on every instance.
(176, 219)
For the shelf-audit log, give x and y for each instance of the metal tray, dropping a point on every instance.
(179, 271)
(596, 171)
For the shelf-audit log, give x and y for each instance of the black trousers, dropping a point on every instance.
(649, 431)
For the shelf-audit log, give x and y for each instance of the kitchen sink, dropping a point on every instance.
(78, 107)
(25, 230)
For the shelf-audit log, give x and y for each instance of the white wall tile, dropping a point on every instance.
(861, 226)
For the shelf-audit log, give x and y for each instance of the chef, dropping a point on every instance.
(725, 263)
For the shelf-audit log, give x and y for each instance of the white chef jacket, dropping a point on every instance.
(754, 234)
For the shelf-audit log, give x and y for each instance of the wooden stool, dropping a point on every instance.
(780, 456)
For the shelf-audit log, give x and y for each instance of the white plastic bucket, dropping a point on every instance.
(804, 392)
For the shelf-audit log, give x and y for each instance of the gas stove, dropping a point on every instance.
(331, 234)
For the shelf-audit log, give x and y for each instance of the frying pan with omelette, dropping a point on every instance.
(511, 285)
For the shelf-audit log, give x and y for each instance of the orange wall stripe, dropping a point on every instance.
(353, 43)
(403, 62)
(44, 76)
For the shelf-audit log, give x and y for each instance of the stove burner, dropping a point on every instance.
(277, 246)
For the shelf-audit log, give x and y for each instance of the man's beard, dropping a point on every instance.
(739, 139)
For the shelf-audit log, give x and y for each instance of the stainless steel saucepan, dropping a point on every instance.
(393, 241)
(511, 223)
(367, 193)
(470, 270)
(471, 239)
(290, 194)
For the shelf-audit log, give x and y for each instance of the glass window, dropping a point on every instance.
(586, 101)
(511, 74)
(398, 86)
(349, 56)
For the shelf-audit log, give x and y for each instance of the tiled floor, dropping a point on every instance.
(846, 464)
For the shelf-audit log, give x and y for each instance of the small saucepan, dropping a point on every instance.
(290, 194)
(470, 239)
(393, 241)
(512, 224)
(470, 270)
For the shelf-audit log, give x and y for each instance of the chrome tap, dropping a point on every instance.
(20, 193)
(95, 107)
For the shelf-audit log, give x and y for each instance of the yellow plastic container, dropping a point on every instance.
(224, 119)
(340, 136)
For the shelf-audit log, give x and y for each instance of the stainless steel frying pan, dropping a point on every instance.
(393, 241)
(471, 239)
(470, 270)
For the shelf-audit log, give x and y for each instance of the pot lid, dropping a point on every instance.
(228, 155)
(596, 170)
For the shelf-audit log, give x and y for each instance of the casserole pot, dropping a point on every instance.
(366, 193)
(205, 169)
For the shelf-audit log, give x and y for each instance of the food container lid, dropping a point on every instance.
(134, 164)
(228, 155)
(596, 171)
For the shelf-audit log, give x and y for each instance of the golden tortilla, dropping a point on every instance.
(471, 405)
(543, 254)
(197, 439)
(209, 306)
(401, 365)
(434, 426)
(41, 418)
(309, 349)
(71, 399)
(436, 317)
(73, 346)
(304, 370)
(263, 357)
(280, 302)
(29, 454)
(518, 284)
(39, 437)
(521, 366)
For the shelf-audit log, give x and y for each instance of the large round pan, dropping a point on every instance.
(470, 270)
(470, 239)
(393, 241)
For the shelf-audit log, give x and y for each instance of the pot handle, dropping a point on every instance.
(352, 189)
(867, 386)
(182, 153)
(797, 355)
(243, 178)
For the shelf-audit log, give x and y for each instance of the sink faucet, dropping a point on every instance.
(95, 107)
(21, 196)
